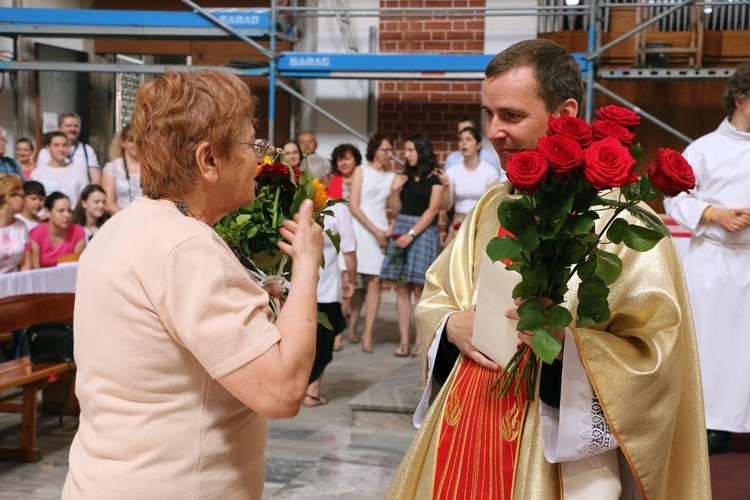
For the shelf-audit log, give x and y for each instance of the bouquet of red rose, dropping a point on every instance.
(553, 225)
(252, 232)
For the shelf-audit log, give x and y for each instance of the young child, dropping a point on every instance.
(32, 213)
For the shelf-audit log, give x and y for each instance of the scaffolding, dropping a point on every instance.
(253, 24)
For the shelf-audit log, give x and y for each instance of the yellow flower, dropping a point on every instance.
(320, 198)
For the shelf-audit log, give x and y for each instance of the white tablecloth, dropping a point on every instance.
(60, 279)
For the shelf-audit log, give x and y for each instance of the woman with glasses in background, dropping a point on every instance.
(368, 203)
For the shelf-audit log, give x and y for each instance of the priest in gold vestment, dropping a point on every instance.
(620, 416)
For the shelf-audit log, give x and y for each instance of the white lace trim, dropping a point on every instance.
(597, 436)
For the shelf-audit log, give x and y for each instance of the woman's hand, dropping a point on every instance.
(405, 240)
(440, 173)
(399, 182)
(381, 236)
(347, 289)
(304, 235)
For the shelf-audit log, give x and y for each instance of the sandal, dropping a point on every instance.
(402, 351)
(319, 401)
(416, 350)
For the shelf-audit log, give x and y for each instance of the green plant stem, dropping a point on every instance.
(276, 206)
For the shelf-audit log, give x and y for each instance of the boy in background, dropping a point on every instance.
(33, 203)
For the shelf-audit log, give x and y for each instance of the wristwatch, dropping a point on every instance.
(411, 233)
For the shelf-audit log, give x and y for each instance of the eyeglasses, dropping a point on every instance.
(260, 147)
(386, 150)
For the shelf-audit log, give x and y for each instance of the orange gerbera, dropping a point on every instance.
(321, 198)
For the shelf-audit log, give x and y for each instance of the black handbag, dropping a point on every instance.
(50, 342)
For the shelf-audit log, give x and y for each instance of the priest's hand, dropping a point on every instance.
(459, 329)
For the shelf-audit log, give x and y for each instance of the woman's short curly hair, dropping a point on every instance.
(738, 87)
(340, 152)
(176, 112)
(8, 184)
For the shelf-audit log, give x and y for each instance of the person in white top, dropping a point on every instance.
(121, 177)
(717, 212)
(485, 154)
(59, 174)
(469, 180)
(80, 154)
(368, 201)
(331, 290)
(32, 212)
(15, 251)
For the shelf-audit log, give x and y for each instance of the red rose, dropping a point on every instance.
(395, 236)
(621, 116)
(671, 173)
(527, 170)
(277, 174)
(572, 128)
(606, 128)
(563, 155)
(456, 226)
(609, 164)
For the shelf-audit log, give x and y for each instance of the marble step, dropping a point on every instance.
(390, 403)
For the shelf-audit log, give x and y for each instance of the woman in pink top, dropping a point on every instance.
(56, 237)
(178, 364)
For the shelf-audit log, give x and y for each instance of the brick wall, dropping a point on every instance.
(432, 107)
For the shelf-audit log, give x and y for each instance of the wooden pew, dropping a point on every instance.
(20, 312)
(30, 377)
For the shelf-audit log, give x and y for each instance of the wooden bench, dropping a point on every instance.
(30, 377)
(20, 312)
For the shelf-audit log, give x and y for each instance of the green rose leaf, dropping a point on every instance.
(592, 303)
(587, 269)
(503, 248)
(546, 345)
(640, 238)
(584, 199)
(616, 231)
(648, 190)
(335, 239)
(242, 219)
(531, 313)
(535, 280)
(323, 321)
(581, 224)
(608, 266)
(650, 219)
(558, 317)
(514, 215)
(528, 239)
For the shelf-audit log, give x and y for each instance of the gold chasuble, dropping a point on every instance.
(642, 364)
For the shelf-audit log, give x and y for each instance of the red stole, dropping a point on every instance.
(479, 435)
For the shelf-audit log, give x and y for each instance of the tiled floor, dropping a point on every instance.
(325, 452)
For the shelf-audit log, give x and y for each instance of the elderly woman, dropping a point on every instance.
(178, 362)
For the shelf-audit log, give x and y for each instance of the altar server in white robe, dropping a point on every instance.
(717, 262)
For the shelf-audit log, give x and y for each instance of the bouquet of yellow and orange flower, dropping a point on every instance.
(252, 232)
